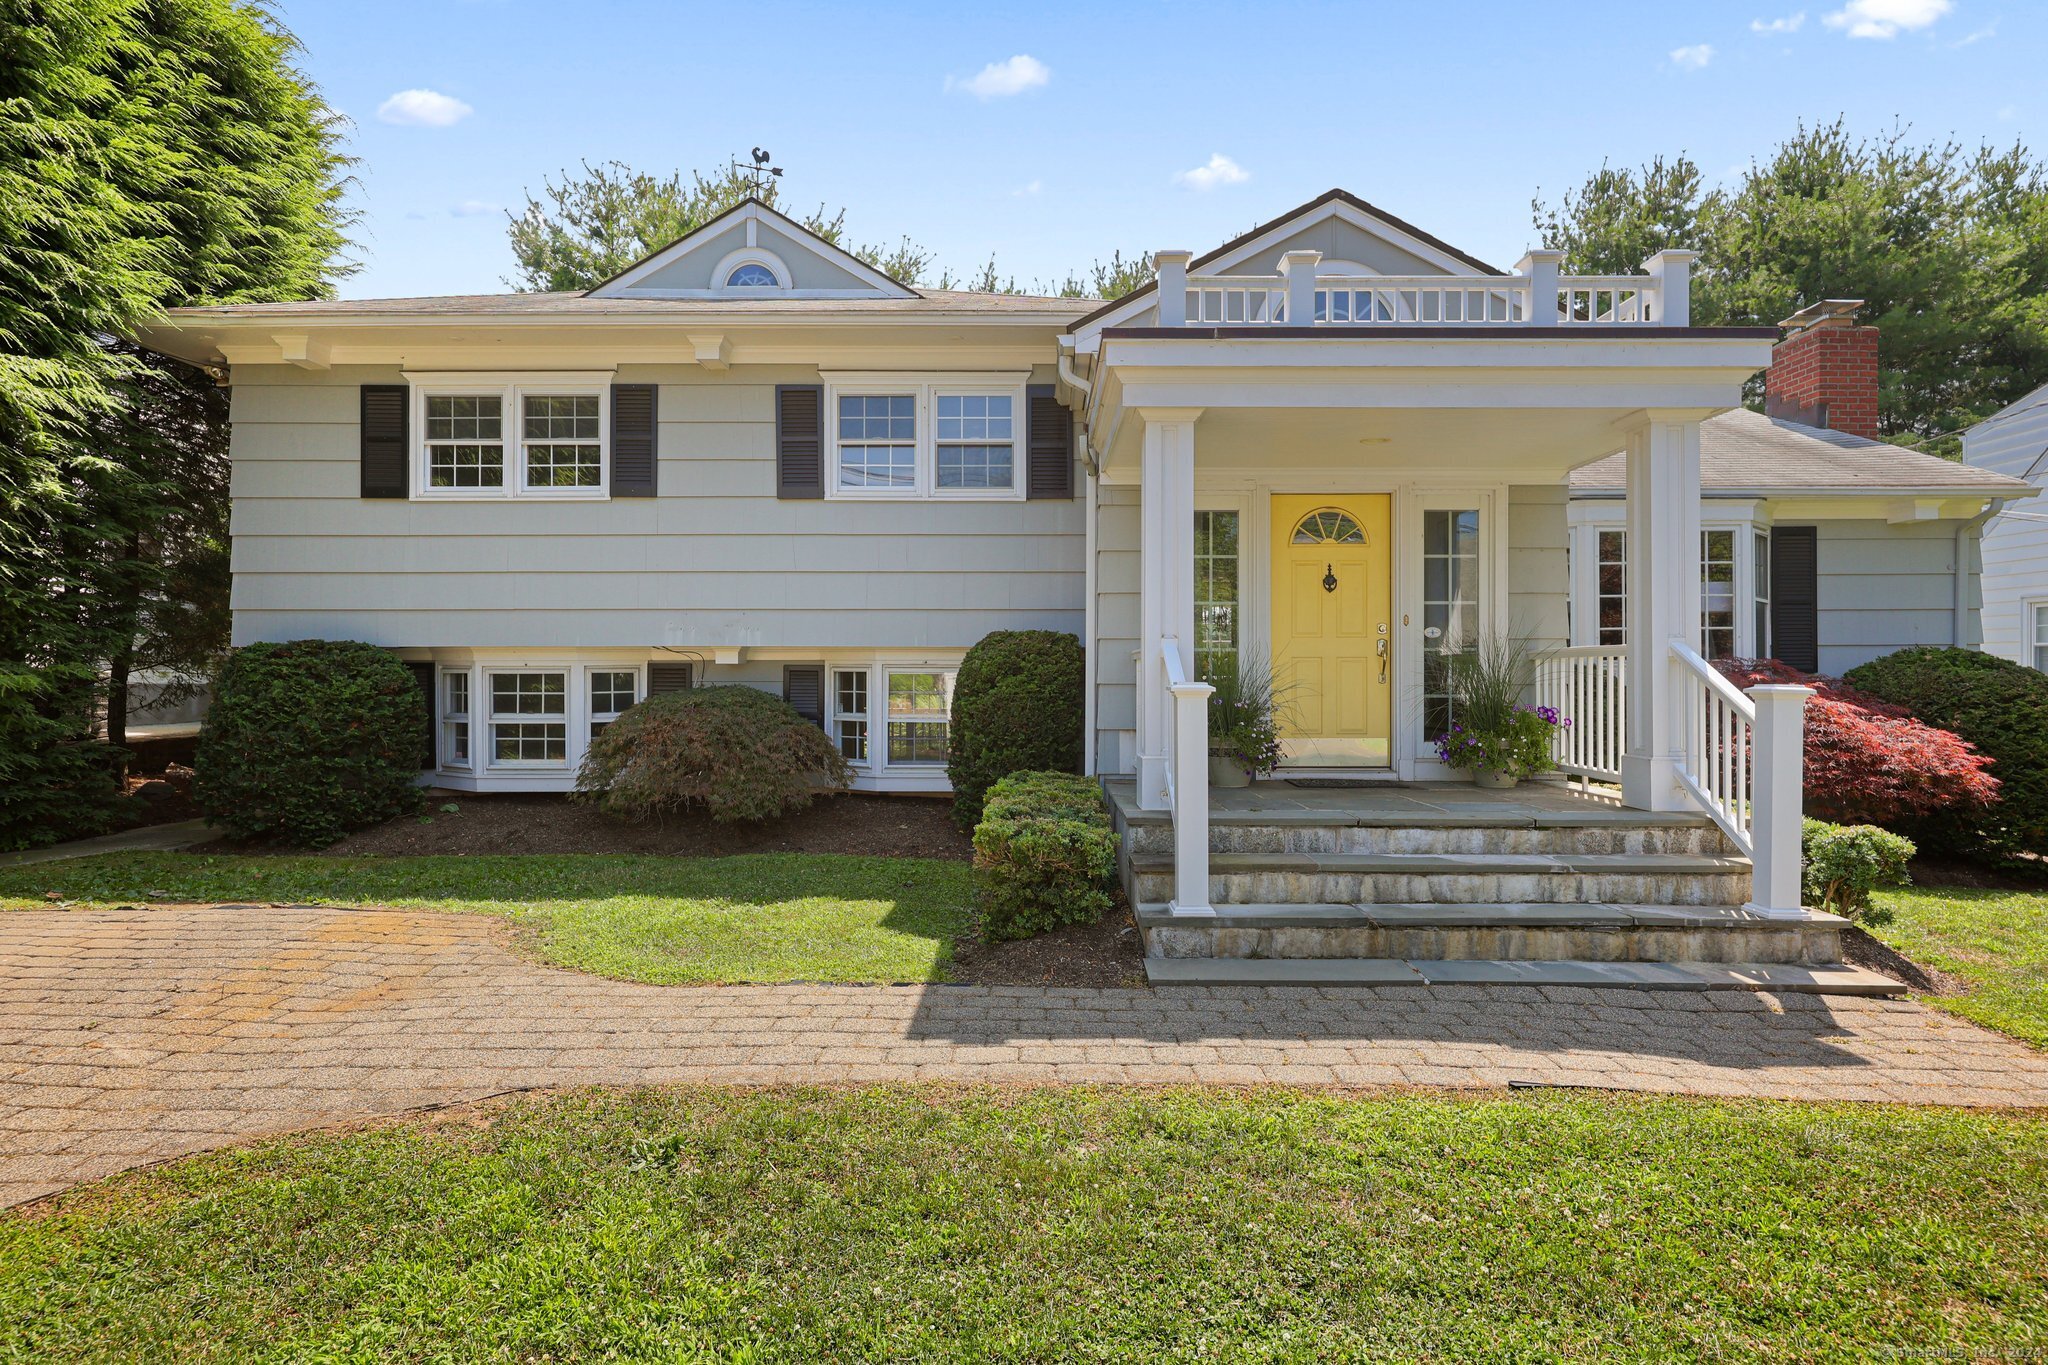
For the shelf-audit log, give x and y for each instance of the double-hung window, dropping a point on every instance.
(455, 718)
(612, 690)
(920, 710)
(957, 436)
(510, 435)
(1717, 593)
(2035, 619)
(529, 718)
(850, 713)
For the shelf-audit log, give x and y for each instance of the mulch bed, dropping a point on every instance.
(2031, 875)
(159, 798)
(1107, 953)
(503, 823)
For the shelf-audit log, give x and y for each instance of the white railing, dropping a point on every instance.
(1719, 739)
(1187, 781)
(1588, 686)
(1744, 757)
(1537, 296)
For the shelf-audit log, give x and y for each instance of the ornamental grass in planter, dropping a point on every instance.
(1493, 734)
(1244, 724)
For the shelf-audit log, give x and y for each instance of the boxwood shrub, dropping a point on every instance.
(1017, 707)
(737, 753)
(2000, 707)
(1845, 863)
(306, 741)
(1045, 854)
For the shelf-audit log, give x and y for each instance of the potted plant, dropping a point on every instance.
(1494, 735)
(1244, 725)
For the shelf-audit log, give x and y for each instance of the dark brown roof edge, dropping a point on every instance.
(724, 214)
(1519, 333)
(1325, 197)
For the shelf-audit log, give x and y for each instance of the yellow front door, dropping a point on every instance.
(1333, 603)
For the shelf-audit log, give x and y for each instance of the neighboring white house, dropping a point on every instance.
(1335, 442)
(2014, 442)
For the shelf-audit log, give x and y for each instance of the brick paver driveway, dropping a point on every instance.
(134, 1035)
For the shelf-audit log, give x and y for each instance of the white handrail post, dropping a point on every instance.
(1778, 792)
(1672, 270)
(1173, 286)
(1541, 269)
(1298, 269)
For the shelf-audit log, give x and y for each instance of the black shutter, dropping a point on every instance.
(634, 424)
(384, 440)
(1795, 597)
(799, 441)
(423, 674)
(803, 686)
(668, 678)
(1048, 444)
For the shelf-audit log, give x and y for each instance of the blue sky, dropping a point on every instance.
(1049, 135)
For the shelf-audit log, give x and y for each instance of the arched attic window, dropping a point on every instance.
(752, 275)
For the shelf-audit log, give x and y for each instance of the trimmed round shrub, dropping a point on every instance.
(1871, 763)
(1845, 863)
(1017, 707)
(1044, 854)
(736, 753)
(306, 741)
(1998, 706)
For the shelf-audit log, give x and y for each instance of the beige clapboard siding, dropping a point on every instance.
(716, 559)
(1116, 621)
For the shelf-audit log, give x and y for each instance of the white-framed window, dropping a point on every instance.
(2035, 616)
(611, 691)
(1760, 593)
(751, 275)
(1451, 587)
(1717, 593)
(920, 703)
(455, 718)
(1610, 570)
(511, 436)
(850, 713)
(950, 436)
(1218, 592)
(529, 717)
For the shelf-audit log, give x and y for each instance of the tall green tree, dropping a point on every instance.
(586, 228)
(1947, 247)
(152, 153)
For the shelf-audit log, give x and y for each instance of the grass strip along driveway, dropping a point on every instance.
(1995, 940)
(1069, 1224)
(756, 917)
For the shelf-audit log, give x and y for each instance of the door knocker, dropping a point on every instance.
(1329, 578)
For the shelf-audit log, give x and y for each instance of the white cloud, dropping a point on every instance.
(1886, 18)
(999, 80)
(1217, 170)
(1027, 191)
(423, 109)
(1789, 24)
(1693, 56)
(475, 208)
(1988, 31)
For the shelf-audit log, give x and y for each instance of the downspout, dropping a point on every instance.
(1965, 534)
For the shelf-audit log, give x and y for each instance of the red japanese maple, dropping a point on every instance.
(1870, 762)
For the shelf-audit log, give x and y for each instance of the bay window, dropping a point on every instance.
(850, 713)
(2036, 614)
(920, 710)
(1717, 594)
(889, 436)
(529, 718)
(455, 718)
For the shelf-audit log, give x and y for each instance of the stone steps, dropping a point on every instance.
(1449, 932)
(1453, 878)
(1778, 978)
(1461, 839)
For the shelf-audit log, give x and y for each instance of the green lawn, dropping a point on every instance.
(1071, 1224)
(1995, 940)
(760, 917)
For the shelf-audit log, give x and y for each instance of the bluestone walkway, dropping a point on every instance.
(134, 1035)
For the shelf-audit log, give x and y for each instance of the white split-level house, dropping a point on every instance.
(2014, 442)
(1335, 443)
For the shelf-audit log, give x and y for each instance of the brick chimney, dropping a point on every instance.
(1824, 372)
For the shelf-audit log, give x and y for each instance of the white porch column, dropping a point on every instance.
(1166, 583)
(1779, 788)
(1663, 600)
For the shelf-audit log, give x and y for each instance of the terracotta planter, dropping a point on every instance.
(1494, 780)
(1227, 772)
